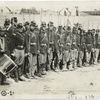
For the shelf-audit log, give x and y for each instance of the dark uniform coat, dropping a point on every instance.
(89, 41)
(67, 40)
(34, 41)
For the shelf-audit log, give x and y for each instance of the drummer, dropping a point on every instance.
(7, 65)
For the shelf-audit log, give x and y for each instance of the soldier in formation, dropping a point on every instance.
(35, 51)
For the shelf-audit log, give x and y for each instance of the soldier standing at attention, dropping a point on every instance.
(93, 52)
(7, 65)
(83, 47)
(67, 42)
(33, 49)
(89, 46)
(51, 44)
(60, 46)
(43, 43)
(74, 47)
(10, 42)
(97, 45)
(80, 45)
(19, 52)
(27, 47)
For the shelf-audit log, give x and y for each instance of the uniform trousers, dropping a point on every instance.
(50, 57)
(32, 63)
(80, 58)
(19, 60)
(88, 53)
(66, 58)
(96, 55)
(74, 57)
(42, 61)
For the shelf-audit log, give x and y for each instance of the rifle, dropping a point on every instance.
(47, 61)
(38, 64)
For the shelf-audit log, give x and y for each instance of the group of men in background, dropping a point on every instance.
(35, 50)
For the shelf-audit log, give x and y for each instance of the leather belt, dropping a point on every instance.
(20, 47)
(32, 43)
(43, 44)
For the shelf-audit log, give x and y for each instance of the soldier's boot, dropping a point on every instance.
(71, 65)
(3, 80)
(14, 75)
(27, 75)
(57, 68)
(38, 73)
(20, 77)
(64, 67)
(43, 70)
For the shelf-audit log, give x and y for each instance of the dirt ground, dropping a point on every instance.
(82, 81)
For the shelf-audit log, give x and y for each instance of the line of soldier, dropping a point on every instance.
(37, 50)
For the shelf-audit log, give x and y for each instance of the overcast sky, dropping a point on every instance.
(54, 5)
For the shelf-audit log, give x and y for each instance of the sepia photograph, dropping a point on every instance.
(50, 50)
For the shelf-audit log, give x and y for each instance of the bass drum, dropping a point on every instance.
(7, 65)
